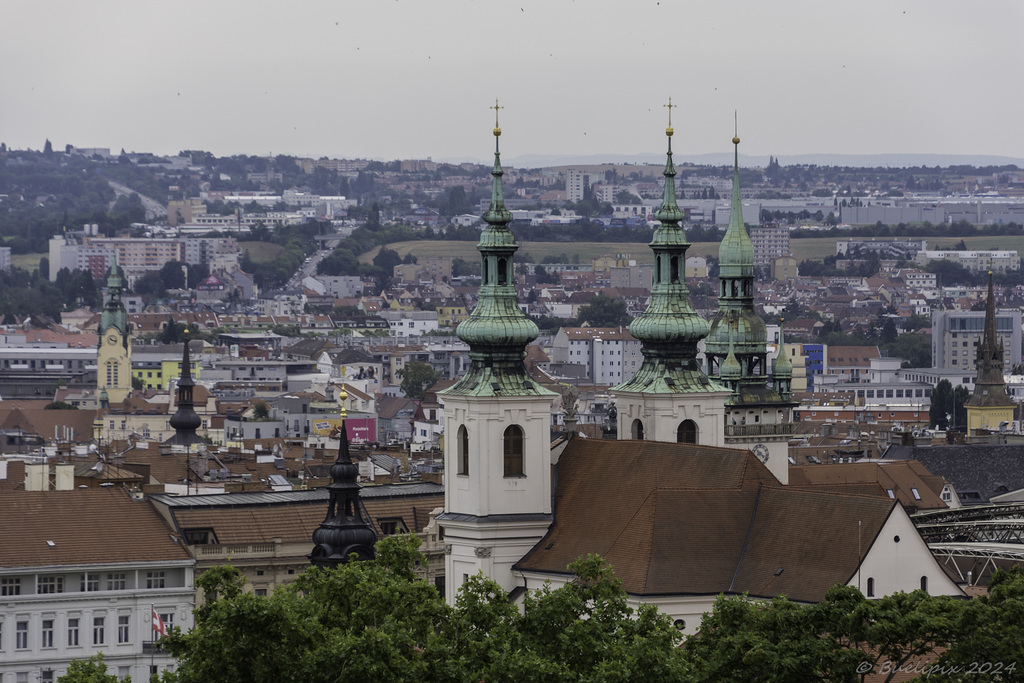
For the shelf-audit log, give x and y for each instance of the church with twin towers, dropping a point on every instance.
(519, 508)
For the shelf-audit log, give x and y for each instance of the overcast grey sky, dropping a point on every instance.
(391, 79)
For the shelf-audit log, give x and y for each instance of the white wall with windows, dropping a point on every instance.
(50, 616)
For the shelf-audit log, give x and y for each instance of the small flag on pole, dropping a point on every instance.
(158, 625)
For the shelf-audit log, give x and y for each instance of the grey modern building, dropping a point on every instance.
(956, 335)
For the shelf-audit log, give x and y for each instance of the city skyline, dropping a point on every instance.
(402, 80)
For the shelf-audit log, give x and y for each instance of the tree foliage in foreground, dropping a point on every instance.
(375, 621)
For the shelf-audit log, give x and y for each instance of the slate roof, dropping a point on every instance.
(976, 471)
(679, 517)
(238, 518)
(87, 526)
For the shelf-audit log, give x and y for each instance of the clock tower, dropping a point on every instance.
(758, 411)
(114, 357)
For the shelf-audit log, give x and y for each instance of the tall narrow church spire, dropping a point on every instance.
(497, 331)
(497, 447)
(737, 325)
(737, 350)
(989, 406)
(670, 328)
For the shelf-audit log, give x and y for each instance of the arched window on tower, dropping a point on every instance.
(502, 271)
(687, 432)
(637, 430)
(463, 450)
(513, 451)
(675, 269)
(486, 268)
(112, 373)
(657, 269)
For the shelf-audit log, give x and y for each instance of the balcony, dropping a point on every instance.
(784, 429)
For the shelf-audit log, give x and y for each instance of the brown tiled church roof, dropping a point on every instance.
(680, 519)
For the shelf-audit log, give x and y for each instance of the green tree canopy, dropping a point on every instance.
(604, 311)
(417, 378)
(375, 621)
(92, 670)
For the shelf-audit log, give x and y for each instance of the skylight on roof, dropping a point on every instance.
(51, 544)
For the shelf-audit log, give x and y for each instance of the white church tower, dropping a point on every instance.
(497, 455)
(670, 399)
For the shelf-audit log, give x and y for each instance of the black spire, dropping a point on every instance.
(185, 421)
(990, 386)
(345, 530)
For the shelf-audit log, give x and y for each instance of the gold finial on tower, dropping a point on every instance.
(497, 129)
(669, 131)
(735, 128)
(343, 395)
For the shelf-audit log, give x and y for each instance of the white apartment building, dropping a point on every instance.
(82, 573)
(611, 355)
(410, 323)
(999, 261)
(576, 183)
(770, 242)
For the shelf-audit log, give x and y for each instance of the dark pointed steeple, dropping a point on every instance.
(670, 328)
(990, 386)
(185, 421)
(346, 529)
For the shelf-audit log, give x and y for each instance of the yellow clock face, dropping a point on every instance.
(111, 339)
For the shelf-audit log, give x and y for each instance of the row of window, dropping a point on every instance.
(74, 628)
(900, 393)
(686, 432)
(870, 593)
(512, 451)
(54, 583)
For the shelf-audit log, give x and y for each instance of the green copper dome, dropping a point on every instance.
(497, 331)
(670, 328)
(114, 314)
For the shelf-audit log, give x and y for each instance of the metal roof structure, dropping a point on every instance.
(973, 542)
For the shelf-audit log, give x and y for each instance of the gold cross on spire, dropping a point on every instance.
(497, 128)
(668, 131)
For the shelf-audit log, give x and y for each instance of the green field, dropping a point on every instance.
(816, 248)
(261, 252)
(27, 262)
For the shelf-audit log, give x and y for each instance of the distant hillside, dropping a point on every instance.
(725, 158)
